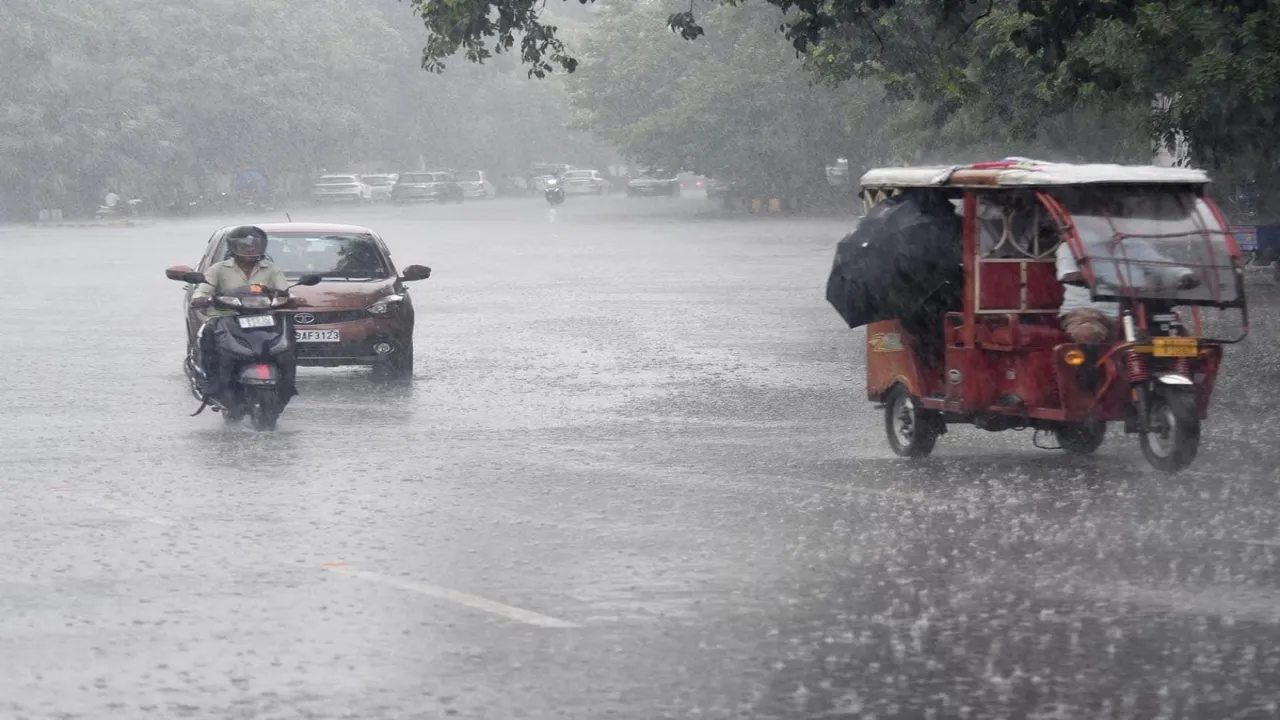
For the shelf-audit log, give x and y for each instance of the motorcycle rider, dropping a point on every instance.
(246, 266)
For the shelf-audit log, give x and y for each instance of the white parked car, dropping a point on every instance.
(380, 185)
(341, 188)
(584, 182)
(475, 184)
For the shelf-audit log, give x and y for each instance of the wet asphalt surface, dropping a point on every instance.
(635, 477)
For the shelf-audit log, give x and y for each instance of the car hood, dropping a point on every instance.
(342, 294)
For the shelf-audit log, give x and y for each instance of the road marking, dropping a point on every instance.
(475, 602)
(111, 507)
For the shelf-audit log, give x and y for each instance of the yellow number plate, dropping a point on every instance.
(1175, 347)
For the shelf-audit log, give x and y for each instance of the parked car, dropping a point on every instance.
(717, 188)
(654, 182)
(361, 313)
(341, 188)
(475, 184)
(584, 182)
(380, 185)
(436, 186)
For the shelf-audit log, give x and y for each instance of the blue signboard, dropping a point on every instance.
(1246, 237)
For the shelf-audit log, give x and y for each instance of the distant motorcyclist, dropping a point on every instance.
(247, 266)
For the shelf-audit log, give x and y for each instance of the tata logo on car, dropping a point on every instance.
(304, 318)
(885, 342)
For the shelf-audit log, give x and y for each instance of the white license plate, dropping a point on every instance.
(318, 336)
(256, 321)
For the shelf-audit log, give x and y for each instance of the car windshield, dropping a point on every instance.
(1155, 243)
(578, 175)
(415, 178)
(472, 176)
(336, 180)
(335, 256)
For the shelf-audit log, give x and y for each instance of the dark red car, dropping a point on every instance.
(360, 313)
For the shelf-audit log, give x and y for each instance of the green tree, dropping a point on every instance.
(153, 96)
(1021, 66)
(735, 106)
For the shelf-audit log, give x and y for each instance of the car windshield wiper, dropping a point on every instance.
(350, 277)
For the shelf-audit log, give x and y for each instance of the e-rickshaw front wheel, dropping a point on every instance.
(912, 430)
(1173, 430)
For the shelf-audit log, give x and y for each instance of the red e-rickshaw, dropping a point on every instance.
(1146, 239)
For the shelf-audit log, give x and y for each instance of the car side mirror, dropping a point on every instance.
(309, 280)
(415, 272)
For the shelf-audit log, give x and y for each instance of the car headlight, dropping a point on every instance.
(386, 306)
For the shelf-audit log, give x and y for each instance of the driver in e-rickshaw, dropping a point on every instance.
(1091, 322)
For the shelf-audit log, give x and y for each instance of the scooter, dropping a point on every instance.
(254, 349)
(554, 192)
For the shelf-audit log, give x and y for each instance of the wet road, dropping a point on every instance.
(635, 477)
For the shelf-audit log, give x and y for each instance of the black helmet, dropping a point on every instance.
(247, 241)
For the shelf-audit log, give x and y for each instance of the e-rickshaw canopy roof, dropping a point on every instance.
(1022, 172)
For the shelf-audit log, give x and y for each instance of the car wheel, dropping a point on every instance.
(399, 367)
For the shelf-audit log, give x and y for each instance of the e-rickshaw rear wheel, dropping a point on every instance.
(912, 430)
(1081, 438)
(1173, 430)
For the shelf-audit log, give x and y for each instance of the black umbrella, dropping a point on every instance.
(902, 261)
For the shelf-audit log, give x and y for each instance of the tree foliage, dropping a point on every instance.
(1022, 65)
(737, 105)
(153, 96)
(734, 105)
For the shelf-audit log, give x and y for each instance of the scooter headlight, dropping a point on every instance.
(255, 302)
(229, 300)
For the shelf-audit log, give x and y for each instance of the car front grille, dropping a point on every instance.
(331, 317)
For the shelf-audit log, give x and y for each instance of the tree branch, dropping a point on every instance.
(967, 26)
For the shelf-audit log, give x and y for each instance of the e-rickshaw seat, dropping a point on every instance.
(1030, 290)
